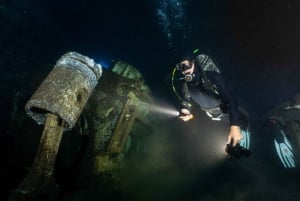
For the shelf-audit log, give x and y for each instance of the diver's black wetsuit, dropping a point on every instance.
(209, 81)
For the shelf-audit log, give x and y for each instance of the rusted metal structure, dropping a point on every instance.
(65, 90)
(109, 126)
(57, 104)
(122, 128)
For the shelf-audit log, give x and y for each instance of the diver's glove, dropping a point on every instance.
(185, 114)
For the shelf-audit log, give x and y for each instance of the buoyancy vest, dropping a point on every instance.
(203, 64)
(208, 99)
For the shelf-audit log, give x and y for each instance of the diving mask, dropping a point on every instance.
(182, 66)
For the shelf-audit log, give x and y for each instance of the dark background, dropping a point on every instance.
(255, 42)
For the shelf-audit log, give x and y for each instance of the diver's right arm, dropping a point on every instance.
(185, 112)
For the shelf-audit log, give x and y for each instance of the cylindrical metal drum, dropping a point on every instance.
(65, 90)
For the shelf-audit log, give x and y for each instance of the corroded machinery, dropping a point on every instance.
(119, 115)
(57, 103)
(65, 90)
(100, 132)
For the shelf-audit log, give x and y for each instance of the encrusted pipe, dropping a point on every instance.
(41, 176)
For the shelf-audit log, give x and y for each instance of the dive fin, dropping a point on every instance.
(285, 151)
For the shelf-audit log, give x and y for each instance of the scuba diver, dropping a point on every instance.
(202, 82)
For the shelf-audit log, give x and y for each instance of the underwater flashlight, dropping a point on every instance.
(164, 110)
(237, 151)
